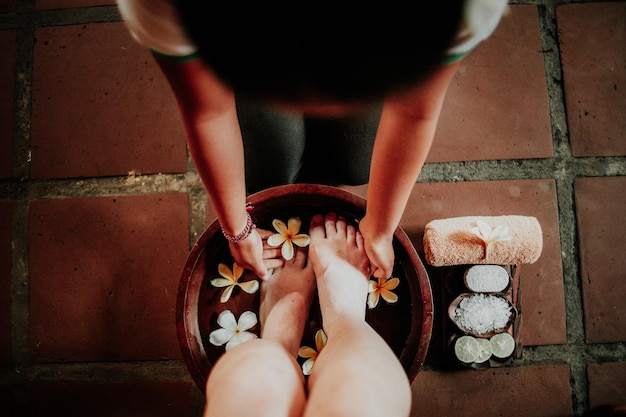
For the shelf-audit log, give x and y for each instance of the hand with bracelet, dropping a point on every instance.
(251, 243)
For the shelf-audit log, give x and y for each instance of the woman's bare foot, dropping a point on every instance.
(337, 254)
(286, 299)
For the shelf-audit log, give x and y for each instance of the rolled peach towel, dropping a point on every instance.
(501, 240)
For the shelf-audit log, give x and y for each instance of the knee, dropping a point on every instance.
(262, 370)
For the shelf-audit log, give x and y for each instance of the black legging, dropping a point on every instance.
(284, 148)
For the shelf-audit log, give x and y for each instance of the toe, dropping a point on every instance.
(316, 228)
(330, 222)
(341, 226)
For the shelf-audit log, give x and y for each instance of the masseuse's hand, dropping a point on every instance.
(379, 249)
(255, 254)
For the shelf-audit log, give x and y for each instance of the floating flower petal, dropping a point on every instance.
(230, 280)
(382, 288)
(287, 236)
(311, 354)
(233, 332)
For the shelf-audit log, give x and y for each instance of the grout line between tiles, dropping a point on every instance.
(564, 176)
(20, 285)
(166, 370)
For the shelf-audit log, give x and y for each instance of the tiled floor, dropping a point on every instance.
(101, 207)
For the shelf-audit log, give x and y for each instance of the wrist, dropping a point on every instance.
(375, 230)
(243, 235)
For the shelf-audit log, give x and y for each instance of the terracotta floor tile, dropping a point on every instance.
(606, 384)
(101, 106)
(7, 80)
(105, 399)
(497, 104)
(63, 4)
(593, 54)
(529, 391)
(5, 282)
(104, 273)
(600, 208)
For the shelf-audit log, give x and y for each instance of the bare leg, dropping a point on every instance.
(262, 377)
(356, 374)
(285, 302)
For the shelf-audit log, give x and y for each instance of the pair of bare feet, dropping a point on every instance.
(336, 263)
(356, 361)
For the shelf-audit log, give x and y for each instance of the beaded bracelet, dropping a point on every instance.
(244, 233)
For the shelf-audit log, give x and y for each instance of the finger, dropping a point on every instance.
(262, 272)
(274, 263)
(265, 233)
(267, 246)
(271, 252)
(372, 269)
(381, 273)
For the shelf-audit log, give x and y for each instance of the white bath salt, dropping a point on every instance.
(487, 278)
(483, 313)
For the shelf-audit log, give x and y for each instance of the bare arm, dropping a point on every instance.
(405, 134)
(214, 138)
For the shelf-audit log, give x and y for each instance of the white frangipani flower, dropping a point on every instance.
(233, 332)
(287, 236)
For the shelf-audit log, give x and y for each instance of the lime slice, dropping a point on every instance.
(502, 345)
(484, 352)
(466, 349)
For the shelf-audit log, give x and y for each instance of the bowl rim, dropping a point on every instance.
(190, 342)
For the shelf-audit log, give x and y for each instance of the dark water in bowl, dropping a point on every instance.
(391, 321)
